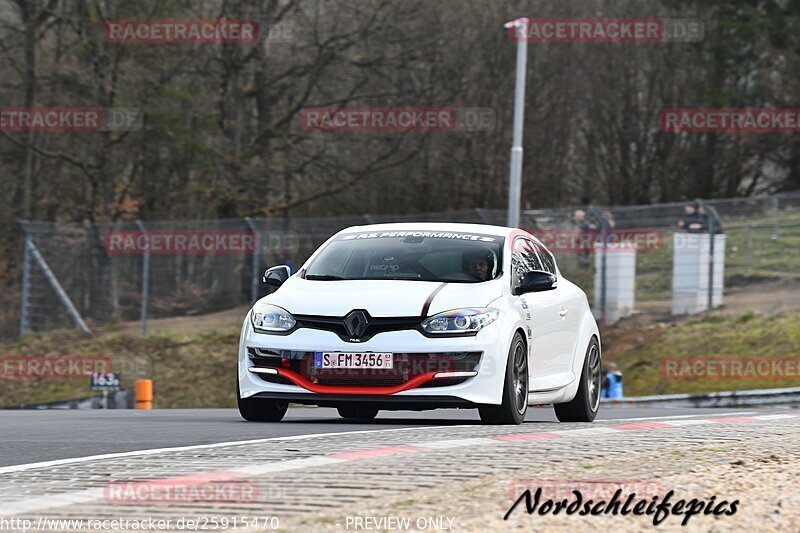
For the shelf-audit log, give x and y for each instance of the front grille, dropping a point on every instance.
(362, 381)
(405, 367)
(374, 326)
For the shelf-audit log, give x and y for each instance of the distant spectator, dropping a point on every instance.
(609, 219)
(288, 262)
(579, 219)
(612, 383)
(693, 219)
(586, 233)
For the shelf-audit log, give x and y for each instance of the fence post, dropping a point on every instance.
(747, 262)
(777, 211)
(713, 225)
(145, 282)
(26, 286)
(711, 231)
(604, 294)
(256, 256)
(604, 227)
(57, 288)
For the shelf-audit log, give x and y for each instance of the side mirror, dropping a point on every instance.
(536, 281)
(276, 275)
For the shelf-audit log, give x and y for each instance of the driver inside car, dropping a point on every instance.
(479, 265)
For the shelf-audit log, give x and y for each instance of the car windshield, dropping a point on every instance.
(410, 255)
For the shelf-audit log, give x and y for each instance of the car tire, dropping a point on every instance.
(357, 412)
(260, 409)
(515, 388)
(584, 407)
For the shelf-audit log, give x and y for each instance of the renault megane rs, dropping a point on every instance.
(422, 316)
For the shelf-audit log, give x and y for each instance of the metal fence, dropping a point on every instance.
(75, 277)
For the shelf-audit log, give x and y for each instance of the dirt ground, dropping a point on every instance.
(653, 316)
(224, 318)
(764, 298)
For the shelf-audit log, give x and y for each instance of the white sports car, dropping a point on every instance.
(422, 316)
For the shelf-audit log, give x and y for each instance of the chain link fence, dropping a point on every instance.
(99, 273)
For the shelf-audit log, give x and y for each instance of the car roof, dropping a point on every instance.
(484, 229)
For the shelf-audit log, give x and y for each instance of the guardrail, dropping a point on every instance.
(784, 396)
(122, 399)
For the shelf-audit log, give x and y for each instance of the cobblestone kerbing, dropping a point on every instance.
(763, 473)
(454, 475)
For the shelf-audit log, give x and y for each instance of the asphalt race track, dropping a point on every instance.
(436, 470)
(36, 436)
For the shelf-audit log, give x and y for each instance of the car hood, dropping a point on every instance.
(380, 298)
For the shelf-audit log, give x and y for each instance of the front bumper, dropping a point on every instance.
(419, 388)
(386, 403)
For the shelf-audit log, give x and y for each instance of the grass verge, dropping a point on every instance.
(642, 353)
(189, 368)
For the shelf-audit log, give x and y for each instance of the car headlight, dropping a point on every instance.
(468, 320)
(270, 318)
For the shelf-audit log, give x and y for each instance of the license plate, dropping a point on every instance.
(352, 360)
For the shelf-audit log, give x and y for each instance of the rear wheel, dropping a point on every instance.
(584, 407)
(357, 412)
(515, 388)
(260, 409)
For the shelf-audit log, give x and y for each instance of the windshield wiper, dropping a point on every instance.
(323, 277)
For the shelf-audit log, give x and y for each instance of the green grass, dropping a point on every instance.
(761, 252)
(188, 368)
(746, 336)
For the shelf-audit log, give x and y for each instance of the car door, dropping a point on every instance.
(540, 310)
(567, 302)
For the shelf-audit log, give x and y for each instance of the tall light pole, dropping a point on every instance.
(520, 28)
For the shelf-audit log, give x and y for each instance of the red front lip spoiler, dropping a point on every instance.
(300, 381)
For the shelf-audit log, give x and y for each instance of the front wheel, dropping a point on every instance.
(515, 388)
(584, 407)
(260, 409)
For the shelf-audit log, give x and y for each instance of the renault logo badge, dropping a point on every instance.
(355, 323)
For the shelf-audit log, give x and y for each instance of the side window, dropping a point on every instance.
(519, 263)
(524, 259)
(548, 263)
(533, 258)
